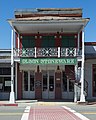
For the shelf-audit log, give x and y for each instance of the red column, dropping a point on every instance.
(58, 91)
(38, 85)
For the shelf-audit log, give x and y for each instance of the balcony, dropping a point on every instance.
(46, 52)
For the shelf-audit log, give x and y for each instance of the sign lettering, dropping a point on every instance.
(66, 61)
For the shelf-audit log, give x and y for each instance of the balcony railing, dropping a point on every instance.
(46, 52)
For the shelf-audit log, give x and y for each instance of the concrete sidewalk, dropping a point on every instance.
(31, 102)
(6, 103)
(17, 102)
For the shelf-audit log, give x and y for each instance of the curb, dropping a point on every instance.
(15, 104)
(82, 103)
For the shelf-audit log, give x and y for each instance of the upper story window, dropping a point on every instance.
(48, 41)
(28, 41)
(68, 41)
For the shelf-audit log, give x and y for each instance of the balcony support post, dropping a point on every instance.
(58, 52)
(12, 95)
(18, 44)
(35, 53)
(82, 96)
(78, 43)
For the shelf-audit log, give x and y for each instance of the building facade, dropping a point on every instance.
(5, 73)
(90, 69)
(47, 55)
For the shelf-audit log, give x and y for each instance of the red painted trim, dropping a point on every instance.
(38, 40)
(16, 41)
(81, 40)
(41, 15)
(57, 39)
(38, 90)
(46, 34)
(90, 43)
(9, 104)
(58, 88)
(57, 42)
(20, 43)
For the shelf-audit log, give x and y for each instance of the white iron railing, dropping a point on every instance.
(46, 52)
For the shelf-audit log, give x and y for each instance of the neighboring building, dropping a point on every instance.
(48, 53)
(90, 69)
(5, 73)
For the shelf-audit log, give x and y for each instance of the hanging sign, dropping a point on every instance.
(42, 61)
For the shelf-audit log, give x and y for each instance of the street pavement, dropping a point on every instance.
(11, 112)
(87, 110)
(34, 110)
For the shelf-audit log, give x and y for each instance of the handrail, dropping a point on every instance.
(46, 52)
(79, 85)
(85, 86)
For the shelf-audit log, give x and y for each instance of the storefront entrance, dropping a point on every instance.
(28, 85)
(48, 82)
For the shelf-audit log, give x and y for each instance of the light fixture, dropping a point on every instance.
(38, 68)
(21, 37)
(58, 69)
(75, 36)
(40, 36)
(60, 36)
(35, 37)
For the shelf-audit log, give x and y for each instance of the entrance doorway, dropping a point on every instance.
(48, 84)
(28, 85)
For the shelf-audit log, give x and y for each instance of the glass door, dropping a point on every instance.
(51, 85)
(28, 85)
(48, 85)
(45, 85)
(31, 85)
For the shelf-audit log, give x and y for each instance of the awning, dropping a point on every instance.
(48, 24)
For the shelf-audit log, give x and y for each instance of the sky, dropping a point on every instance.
(7, 8)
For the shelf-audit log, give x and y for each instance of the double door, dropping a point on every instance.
(48, 85)
(28, 85)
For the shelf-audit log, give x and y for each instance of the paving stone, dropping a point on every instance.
(51, 113)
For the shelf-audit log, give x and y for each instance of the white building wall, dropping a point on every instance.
(88, 76)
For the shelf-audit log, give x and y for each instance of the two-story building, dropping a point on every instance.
(48, 53)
